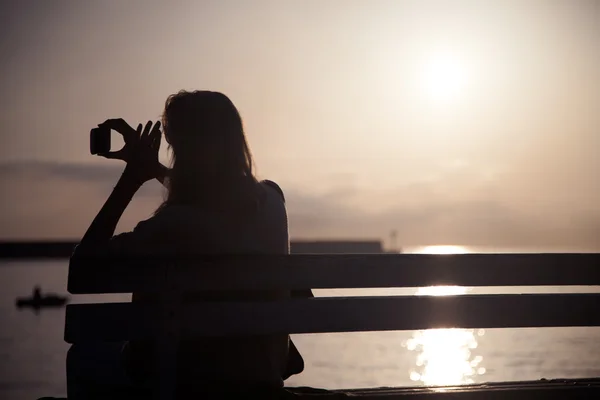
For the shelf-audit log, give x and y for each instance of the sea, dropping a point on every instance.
(32, 350)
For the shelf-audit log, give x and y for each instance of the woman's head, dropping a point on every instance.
(211, 160)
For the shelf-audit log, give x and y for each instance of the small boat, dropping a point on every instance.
(37, 300)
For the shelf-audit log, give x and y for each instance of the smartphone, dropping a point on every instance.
(100, 140)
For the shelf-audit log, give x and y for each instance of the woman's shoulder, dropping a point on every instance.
(274, 186)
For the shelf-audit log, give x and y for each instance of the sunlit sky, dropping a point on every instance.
(453, 122)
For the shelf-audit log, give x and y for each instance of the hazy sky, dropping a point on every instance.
(454, 122)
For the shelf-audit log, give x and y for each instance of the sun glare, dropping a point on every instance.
(441, 290)
(444, 77)
(446, 356)
(443, 249)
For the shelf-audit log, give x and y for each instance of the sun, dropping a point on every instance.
(444, 77)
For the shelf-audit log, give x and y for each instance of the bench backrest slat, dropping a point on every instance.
(124, 321)
(104, 275)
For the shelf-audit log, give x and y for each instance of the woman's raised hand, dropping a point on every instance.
(140, 151)
(130, 137)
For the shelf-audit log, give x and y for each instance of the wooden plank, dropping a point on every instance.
(109, 322)
(252, 272)
(557, 389)
(95, 275)
(123, 321)
(571, 389)
(36, 249)
(64, 248)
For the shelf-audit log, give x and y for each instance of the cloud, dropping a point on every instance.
(54, 200)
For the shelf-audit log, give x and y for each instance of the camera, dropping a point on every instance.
(100, 140)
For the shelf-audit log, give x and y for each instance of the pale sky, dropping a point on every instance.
(454, 122)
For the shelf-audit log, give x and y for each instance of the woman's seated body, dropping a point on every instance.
(215, 205)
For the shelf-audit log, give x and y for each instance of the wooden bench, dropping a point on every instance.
(171, 320)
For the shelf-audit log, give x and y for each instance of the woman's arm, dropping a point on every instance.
(142, 166)
(104, 225)
(131, 137)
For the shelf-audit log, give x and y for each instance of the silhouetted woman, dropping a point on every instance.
(214, 205)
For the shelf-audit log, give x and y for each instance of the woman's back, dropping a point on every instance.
(188, 231)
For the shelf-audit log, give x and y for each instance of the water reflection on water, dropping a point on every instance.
(445, 356)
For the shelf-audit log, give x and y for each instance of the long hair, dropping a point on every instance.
(212, 165)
